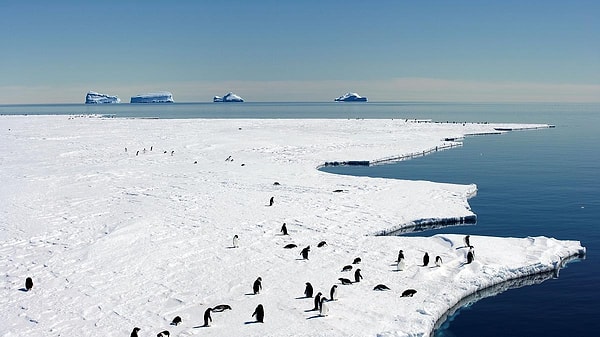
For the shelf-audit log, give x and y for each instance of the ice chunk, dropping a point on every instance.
(351, 97)
(155, 97)
(93, 97)
(229, 97)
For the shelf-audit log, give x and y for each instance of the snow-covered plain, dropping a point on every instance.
(129, 222)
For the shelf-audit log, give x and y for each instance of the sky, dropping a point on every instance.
(480, 51)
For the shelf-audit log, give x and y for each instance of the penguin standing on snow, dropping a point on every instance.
(438, 261)
(324, 308)
(425, 259)
(28, 283)
(357, 275)
(134, 332)
(271, 201)
(257, 286)
(318, 301)
(308, 291)
(400, 256)
(236, 241)
(176, 321)
(356, 260)
(207, 318)
(470, 256)
(304, 252)
(467, 241)
(400, 261)
(284, 229)
(259, 312)
(333, 293)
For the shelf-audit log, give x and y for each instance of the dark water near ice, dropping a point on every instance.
(530, 183)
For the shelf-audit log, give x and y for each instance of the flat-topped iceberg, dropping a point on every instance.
(351, 97)
(93, 97)
(229, 97)
(154, 97)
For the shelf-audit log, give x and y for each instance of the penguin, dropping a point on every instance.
(28, 283)
(290, 246)
(321, 244)
(381, 287)
(304, 252)
(425, 259)
(357, 260)
(165, 333)
(408, 293)
(207, 318)
(134, 332)
(236, 241)
(400, 265)
(276, 183)
(257, 286)
(347, 268)
(259, 312)
(271, 201)
(318, 301)
(324, 308)
(357, 275)
(438, 261)
(470, 257)
(284, 229)
(221, 308)
(400, 256)
(345, 281)
(308, 291)
(333, 293)
(176, 321)
(467, 241)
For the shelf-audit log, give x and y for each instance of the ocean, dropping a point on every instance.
(530, 183)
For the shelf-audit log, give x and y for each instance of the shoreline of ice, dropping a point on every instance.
(116, 239)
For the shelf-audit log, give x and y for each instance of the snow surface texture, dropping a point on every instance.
(129, 222)
(351, 97)
(93, 97)
(229, 97)
(156, 97)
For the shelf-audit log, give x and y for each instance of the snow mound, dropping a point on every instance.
(351, 97)
(229, 97)
(93, 97)
(155, 97)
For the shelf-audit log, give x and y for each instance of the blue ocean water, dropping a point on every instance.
(530, 183)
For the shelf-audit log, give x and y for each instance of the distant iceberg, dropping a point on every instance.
(155, 97)
(351, 97)
(93, 97)
(230, 97)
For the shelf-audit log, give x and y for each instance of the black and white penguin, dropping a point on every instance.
(207, 318)
(271, 201)
(236, 241)
(176, 321)
(323, 308)
(425, 259)
(308, 291)
(438, 261)
(165, 333)
(284, 229)
(467, 241)
(304, 252)
(259, 312)
(134, 333)
(357, 260)
(321, 244)
(408, 293)
(28, 283)
(347, 268)
(333, 293)
(470, 257)
(400, 256)
(381, 287)
(257, 286)
(357, 275)
(318, 301)
(221, 308)
(345, 281)
(290, 246)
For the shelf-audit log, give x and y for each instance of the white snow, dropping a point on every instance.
(229, 97)
(93, 97)
(115, 239)
(351, 97)
(154, 97)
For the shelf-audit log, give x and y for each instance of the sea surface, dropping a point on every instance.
(530, 183)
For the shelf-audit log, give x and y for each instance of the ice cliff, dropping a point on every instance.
(156, 97)
(93, 97)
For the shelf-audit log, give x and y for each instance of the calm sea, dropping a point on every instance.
(530, 183)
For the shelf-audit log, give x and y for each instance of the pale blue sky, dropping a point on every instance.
(55, 51)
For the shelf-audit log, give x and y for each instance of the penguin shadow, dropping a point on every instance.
(302, 298)
(23, 290)
(232, 247)
(309, 310)
(200, 326)
(252, 322)
(461, 247)
(250, 294)
(315, 316)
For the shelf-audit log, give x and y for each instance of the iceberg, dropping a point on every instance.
(229, 97)
(155, 97)
(93, 97)
(351, 97)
